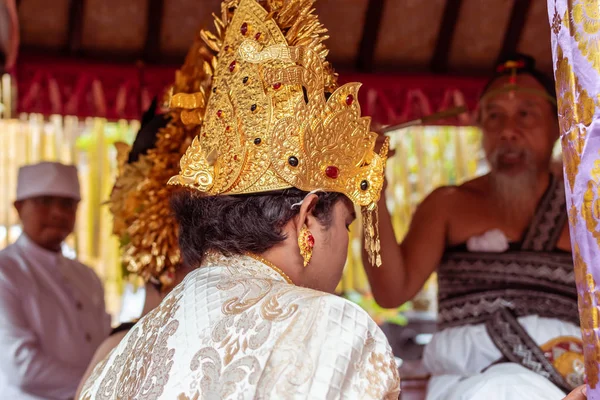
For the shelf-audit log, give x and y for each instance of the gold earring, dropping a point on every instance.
(306, 242)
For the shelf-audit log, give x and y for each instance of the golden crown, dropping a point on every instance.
(274, 117)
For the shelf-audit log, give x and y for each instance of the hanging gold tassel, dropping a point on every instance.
(371, 232)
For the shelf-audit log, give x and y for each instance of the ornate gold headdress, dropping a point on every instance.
(274, 117)
(140, 198)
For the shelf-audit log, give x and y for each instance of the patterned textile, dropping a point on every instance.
(576, 54)
(235, 329)
(533, 279)
(518, 347)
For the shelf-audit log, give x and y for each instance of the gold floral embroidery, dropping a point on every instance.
(252, 305)
(219, 380)
(290, 364)
(556, 22)
(573, 216)
(590, 207)
(572, 145)
(243, 332)
(584, 25)
(378, 378)
(588, 311)
(575, 108)
(576, 112)
(141, 370)
(575, 104)
(261, 338)
(238, 329)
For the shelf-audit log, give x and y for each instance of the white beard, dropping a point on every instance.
(515, 194)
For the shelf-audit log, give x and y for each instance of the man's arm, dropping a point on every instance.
(407, 266)
(23, 361)
(103, 314)
(101, 353)
(577, 394)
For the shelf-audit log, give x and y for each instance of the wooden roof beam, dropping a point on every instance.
(152, 53)
(441, 55)
(368, 42)
(75, 26)
(514, 31)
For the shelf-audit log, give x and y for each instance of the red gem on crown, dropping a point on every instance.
(276, 86)
(244, 28)
(332, 172)
(349, 99)
(232, 66)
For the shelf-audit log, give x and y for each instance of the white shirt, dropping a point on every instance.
(235, 329)
(52, 319)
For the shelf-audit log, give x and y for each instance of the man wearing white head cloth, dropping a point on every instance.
(52, 314)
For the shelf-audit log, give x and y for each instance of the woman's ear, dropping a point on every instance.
(306, 209)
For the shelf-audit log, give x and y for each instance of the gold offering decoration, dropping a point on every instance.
(275, 117)
(140, 198)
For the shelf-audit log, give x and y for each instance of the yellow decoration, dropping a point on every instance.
(566, 355)
(583, 22)
(140, 198)
(306, 242)
(588, 312)
(575, 111)
(268, 124)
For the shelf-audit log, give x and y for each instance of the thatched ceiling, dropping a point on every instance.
(425, 36)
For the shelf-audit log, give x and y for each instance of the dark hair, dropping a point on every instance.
(528, 68)
(146, 137)
(239, 224)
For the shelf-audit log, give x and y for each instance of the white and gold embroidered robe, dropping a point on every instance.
(235, 329)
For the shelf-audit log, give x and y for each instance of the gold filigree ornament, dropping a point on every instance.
(275, 118)
(140, 199)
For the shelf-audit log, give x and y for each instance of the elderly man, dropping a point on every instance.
(500, 245)
(51, 308)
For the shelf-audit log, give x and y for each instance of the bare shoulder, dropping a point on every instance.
(440, 196)
(475, 187)
(469, 189)
(446, 198)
